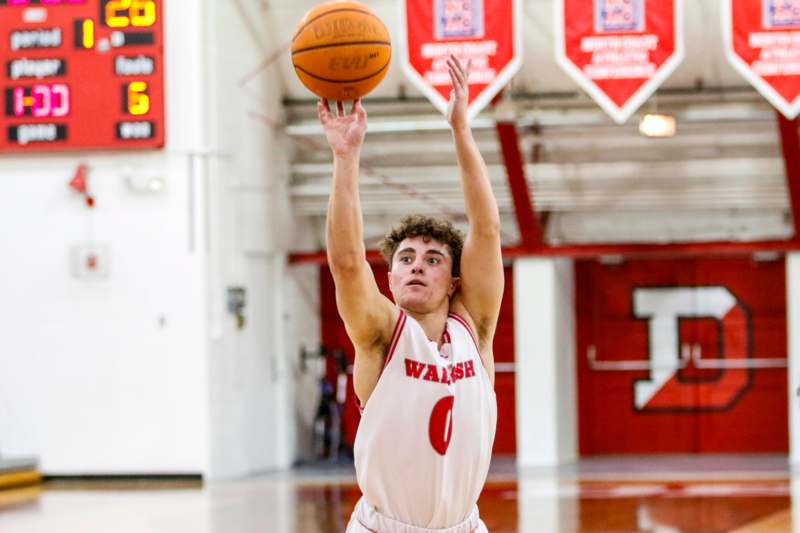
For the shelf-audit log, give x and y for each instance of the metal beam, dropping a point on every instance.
(565, 97)
(635, 250)
(529, 229)
(623, 250)
(790, 145)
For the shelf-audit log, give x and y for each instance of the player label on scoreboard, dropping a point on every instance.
(762, 42)
(487, 32)
(81, 74)
(619, 51)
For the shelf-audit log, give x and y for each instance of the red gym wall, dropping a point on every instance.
(334, 336)
(706, 310)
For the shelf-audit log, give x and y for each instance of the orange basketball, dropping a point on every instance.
(341, 50)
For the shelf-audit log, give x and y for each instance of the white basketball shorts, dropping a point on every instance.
(366, 519)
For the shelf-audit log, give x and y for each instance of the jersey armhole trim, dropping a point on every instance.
(464, 323)
(398, 329)
(368, 529)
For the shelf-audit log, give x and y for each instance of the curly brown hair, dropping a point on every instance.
(424, 226)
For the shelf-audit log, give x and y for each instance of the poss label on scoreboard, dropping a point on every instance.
(81, 74)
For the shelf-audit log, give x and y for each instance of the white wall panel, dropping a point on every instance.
(546, 387)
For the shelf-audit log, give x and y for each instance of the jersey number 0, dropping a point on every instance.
(440, 427)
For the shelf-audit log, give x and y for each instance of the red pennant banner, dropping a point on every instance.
(484, 31)
(619, 51)
(762, 42)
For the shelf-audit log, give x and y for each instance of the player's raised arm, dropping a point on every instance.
(367, 314)
(481, 260)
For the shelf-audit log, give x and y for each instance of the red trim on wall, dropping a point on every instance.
(790, 146)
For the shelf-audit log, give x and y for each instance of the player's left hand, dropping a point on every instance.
(457, 108)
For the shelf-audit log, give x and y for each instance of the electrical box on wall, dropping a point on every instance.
(90, 261)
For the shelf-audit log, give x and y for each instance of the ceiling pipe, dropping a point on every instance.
(589, 251)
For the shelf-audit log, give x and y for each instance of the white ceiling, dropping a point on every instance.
(720, 178)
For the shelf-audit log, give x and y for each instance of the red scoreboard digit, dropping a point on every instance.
(81, 74)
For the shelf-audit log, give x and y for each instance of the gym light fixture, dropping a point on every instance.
(657, 125)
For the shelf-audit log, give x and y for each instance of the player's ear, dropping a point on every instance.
(454, 283)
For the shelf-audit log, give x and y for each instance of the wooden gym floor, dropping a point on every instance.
(741, 494)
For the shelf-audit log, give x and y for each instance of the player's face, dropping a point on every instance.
(421, 278)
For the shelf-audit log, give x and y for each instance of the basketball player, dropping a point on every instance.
(424, 368)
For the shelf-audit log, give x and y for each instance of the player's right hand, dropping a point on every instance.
(459, 96)
(345, 133)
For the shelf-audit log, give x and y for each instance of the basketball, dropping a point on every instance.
(341, 50)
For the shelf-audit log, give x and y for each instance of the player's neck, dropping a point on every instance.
(432, 323)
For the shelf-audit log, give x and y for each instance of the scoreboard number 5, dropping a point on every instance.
(124, 13)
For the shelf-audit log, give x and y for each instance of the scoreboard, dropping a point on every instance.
(81, 74)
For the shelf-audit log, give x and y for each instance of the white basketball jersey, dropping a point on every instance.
(424, 443)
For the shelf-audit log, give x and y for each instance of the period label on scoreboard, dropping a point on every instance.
(81, 74)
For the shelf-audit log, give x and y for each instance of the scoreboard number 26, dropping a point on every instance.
(125, 13)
